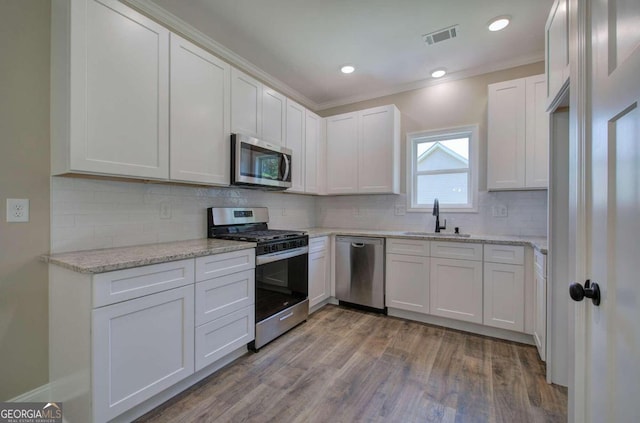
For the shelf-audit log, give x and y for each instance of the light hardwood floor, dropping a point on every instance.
(345, 365)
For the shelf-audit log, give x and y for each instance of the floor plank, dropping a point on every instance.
(346, 365)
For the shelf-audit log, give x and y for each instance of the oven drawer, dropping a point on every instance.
(224, 264)
(274, 326)
(222, 336)
(226, 294)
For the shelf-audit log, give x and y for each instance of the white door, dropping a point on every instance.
(200, 115)
(273, 116)
(246, 104)
(294, 139)
(342, 154)
(407, 282)
(312, 152)
(140, 348)
(120, 91)
(610, 372)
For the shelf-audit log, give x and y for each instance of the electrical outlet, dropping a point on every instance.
(401, 210)
(165, 210)
(499, 211)
(17, 210)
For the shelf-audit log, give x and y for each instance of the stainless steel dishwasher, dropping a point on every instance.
(360, 271)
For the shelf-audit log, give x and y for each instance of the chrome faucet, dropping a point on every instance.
(436, 213)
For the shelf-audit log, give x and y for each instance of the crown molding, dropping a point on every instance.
(148, 7)
(180, 26)
(456, 76)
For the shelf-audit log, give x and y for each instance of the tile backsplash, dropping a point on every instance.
(526, 214)
(89, 213)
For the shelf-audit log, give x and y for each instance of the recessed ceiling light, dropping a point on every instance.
(438, 73)
(347, 69)
(499, 23)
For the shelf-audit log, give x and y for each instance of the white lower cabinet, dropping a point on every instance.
(141, 347)
(407, 286)
(456, 289)
(120, 338)
(540, 305)
(319, 270)
(504, 296)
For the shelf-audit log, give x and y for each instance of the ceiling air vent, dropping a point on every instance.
(441, 35)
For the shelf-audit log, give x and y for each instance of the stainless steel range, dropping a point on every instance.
(282, 287)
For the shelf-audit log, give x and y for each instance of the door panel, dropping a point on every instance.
(613, 177)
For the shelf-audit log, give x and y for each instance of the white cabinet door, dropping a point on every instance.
(557, 49)
(504, 296)
(312, 152)
(246, 104)
(222, 336)
(319, 270)
(537, 139)
(379, 150)
(342, 154)
(506, 134)
(407, 282)
(456, 289)
(200, 115)
(294, 140)
(273, 116)
(540, 314)
(114, 114)
(140, 348)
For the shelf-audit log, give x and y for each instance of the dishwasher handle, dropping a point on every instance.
(358, 244)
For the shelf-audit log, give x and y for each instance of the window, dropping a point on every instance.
(443, 165)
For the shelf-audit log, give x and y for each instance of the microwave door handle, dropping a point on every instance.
(286, 169)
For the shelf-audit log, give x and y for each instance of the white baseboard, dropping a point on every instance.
(40, 394)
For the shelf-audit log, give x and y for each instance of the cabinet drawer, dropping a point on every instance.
(224, 264)
(226, 294)
(540, 261)
(121, 285)
(456, 250)
(411, 247)
(222, 336)
(318, 244)
(506, 254)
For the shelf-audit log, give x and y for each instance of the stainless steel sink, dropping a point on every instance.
(438, 234)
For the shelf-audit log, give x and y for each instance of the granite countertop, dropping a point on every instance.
(107, 260)
(539, 243)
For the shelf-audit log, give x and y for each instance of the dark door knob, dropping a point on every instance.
(590, 290)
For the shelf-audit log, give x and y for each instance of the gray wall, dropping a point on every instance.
(24, 173)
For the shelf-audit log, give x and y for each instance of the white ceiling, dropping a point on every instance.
(302, 44)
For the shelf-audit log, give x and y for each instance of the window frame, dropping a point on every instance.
(471, 131)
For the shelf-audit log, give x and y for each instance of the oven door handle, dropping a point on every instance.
(282, 255)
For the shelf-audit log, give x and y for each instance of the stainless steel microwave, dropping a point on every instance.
(259, 164)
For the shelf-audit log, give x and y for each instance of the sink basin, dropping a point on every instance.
(438, 234)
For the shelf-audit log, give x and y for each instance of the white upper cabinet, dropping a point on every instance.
(342, 153)
(518, 135)
(200, 115)
(379, 150)
(110, 91)
(295, 140)
(537, 139)
(557, 50)
(313, 153)
(273, 116)
(506, 135)
(246, 104)
(363, 151)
